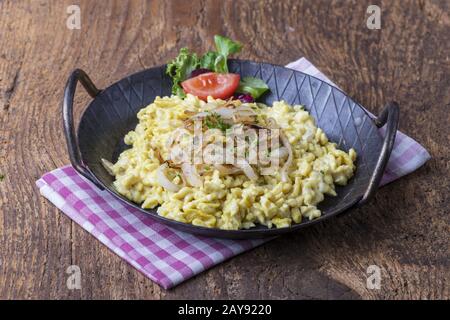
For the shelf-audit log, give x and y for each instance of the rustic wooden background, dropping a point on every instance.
(404, 230)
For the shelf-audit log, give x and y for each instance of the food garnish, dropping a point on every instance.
(253, 86)
(187, 65)
(217, 85)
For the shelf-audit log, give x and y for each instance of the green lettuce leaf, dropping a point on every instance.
(253, 86)
(224, 47)
(180, 68)
(207, 61)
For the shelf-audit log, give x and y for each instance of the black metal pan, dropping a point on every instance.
(112, 113)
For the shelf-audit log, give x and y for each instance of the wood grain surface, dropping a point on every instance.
(404, 230)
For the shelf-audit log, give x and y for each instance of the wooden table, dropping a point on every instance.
(404, 230)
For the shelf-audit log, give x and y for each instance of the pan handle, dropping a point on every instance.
(77, 75)
(388, 116)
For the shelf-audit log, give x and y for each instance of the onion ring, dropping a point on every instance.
(164, 181)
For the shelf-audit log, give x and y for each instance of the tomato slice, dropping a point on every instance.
(216, 85)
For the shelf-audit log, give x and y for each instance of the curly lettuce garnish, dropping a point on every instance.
(180, 69)
(208, 60)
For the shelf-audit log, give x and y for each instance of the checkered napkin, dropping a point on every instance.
(167, 256)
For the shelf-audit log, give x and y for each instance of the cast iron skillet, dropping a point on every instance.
(112, 114)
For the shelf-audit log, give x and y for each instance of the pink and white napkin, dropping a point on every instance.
(167, 256)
